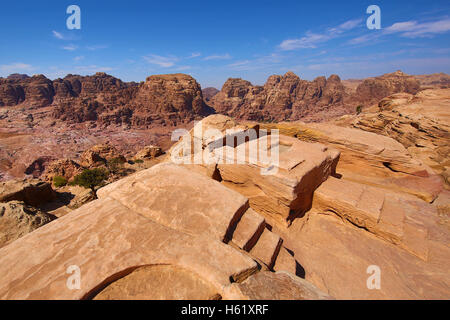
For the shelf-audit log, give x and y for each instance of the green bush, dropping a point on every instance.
(91, 178)
(115, 164)
(59, 181)
(139, 161)
(359, 109)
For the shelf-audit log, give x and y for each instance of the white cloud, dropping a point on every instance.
(218, 57)
(78, 58)
(412, 29)
(70, 47)
(348, 25)
(311, 40)
(58, 35)
(96, 47)
(164, 62)
(194, 55)
(16, 67)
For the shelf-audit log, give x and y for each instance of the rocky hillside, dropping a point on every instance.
(209, 93)
(345, 204)
(163, 99)
(288, 97)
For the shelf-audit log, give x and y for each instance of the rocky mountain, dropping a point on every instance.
(160, 100)
(371, 90)
(209, 92)
(288, 97)
(435, 80)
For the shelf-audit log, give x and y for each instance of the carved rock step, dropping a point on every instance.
(285, 262)
(267, 248)
(248, 230)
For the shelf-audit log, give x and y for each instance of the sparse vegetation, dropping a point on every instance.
(115, 164)
(91, 178)
(359, 109)
(139, 161)
(59, 181)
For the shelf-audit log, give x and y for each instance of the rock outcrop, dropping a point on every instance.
(209, 93)
(148, 152)
(290, 98)
(62, 168)
(373, 89)
(164, 221)
(99, 155)
(18, 219)
(32, 192)
(281, 98)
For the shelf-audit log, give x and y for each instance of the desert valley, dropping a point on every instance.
(362, 185)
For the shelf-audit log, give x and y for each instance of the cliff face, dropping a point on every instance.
(281, 98)
(374, 89)
(169, 99)
(162, 99)
(288, 97)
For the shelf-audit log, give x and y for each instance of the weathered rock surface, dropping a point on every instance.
(32, 192)
(408, 223)
(420, 123)
(148, 152)
(157, 245)
(374, 89)
(336, 256)
(63, 168)
(287, 193)
(281, 98)
(278, 286)
(287, 97)
(160, 282)
(35, 91)
(99, 154)
(370, 158)
(18, 219)
(209, 93)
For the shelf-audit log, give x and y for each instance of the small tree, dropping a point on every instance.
(359, 109)
(59, 181)
(91, 178)
(115, 164)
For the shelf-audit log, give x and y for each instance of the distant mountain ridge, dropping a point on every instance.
(178, 98)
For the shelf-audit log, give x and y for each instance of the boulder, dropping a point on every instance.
(32, 192)
(99, 155)
(18, 219)
(278, 286)
(148, 152)
(63, 168)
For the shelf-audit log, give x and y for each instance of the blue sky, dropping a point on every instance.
(214, 40)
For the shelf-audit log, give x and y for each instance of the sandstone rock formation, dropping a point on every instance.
(162, 99)
(374, 89)
(169, 99)
(281, 98)
(18, 219)
(63, 168)
(170, 220)
(99, 155)
(209, 92)
(420, 123)
(148, 152)
(288, 97)
(32, 192)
